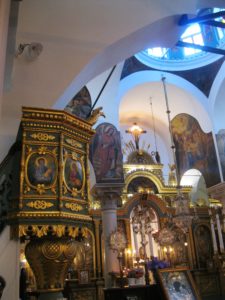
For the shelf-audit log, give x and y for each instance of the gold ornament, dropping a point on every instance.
(74, 143)
(73, 206)
(39, 204)
(42, 136)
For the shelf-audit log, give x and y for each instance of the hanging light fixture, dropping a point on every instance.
(182, 217)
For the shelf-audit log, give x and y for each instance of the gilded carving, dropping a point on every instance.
(26, 189)
(55, 230)
(59, 230)
(40, 136)
(34, 230)
(56, 255)
(51, 249)
(39, 204)
(50, 214)
(74, 143)
(73, 231)
(73, 206)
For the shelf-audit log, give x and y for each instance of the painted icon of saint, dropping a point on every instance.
(43, 172)
(75, 177)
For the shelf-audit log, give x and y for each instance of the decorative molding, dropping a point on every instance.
(42, 136)
(74, 143)
(39, 204)
(49, 214)
(73, 206)
(54, 230)
(52, 116)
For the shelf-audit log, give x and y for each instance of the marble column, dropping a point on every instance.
(109, 197)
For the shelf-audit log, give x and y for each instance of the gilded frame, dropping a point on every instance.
(31, 163)
(75, 159)
(178, 283)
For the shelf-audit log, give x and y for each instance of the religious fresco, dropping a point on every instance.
(220, 138)
(194, 148)
(80, 105)
(106, 155)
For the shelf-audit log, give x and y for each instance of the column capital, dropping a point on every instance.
(108, 194)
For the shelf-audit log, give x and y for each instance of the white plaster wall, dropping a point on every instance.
(9, 265)
(4, 20)
(82, 39)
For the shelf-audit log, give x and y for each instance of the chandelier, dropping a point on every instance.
(182, 217)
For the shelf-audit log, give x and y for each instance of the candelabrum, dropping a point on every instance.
(118, 243)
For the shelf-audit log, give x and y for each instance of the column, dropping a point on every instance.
(191, 254)
(223, 218)
(129, 244)
(98, 248)
(219, 233)
(109, 196)
(215, 248)
(151, 244)
(128, 233)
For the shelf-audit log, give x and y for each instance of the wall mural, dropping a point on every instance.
(194, 148)
(220, 137)
(106, 155)
(80, 105)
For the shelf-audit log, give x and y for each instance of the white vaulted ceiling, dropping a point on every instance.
(82, 40)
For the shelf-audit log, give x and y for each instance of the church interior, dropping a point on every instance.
(112, 150)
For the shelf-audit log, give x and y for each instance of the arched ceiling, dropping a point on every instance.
(81, 39)
(135, 107)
